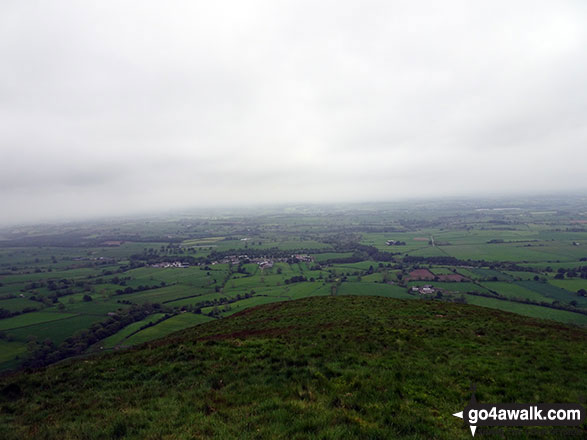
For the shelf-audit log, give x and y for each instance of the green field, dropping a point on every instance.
(80, 285)
(375, 289)
(98, 306)
(513, 290)
(173, 324)
(245, 304)
(163, 294)
(10, 350)
(570, 285)
(18, 304)
(32, 318)
(332, 367)
(120, 337)
(554, 292)
(529, 310)
(56, 330)
(490, 274)
(331, 256)
(520, 275)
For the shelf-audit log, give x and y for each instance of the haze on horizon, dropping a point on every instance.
(119, 107)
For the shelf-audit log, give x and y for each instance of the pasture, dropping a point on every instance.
(60, 268)
(528, 310)
(164, 328)
(120, 337)
(374, 289)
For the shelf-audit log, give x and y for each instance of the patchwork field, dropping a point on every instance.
(92, 285)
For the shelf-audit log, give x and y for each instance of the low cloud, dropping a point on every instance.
(123, 107)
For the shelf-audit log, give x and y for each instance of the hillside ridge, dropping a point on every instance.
(322, 367)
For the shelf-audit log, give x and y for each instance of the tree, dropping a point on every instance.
(87, 298)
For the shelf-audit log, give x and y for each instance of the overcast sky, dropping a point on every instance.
(119, 107)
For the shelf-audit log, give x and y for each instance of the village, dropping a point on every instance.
(262, 262)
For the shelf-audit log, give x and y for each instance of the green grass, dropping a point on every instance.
(241, 305)
(9, 350)
(490, 274)
(521, 275)
(512, 290)
(376, 277)
(57, 330)
(98, 306)
(441, 271)
(352, 267)
(199, 299)
(32, 318)
(120, 336)
(296, 290)
(554, 292)
(375, 289)
(571, 285)
(319, 368)
(331, 256)
(512, 252)
(18, 304)
(163, 294)
(555, 265)
(173, 324)
(55, 275)
(529, 310)
(191, 276)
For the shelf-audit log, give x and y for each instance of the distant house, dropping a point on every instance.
(303, 258)
(424, 290)
(266, 264)
(112, 243)
(164, 265)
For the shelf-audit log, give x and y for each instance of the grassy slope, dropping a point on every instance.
(325, 367)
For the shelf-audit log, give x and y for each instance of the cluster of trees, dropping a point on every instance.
(296, 279)
(140, 288)
(580, 272)
(4, 313)
(57, 288)
(452, 261)
(371, 253)
(197, 308)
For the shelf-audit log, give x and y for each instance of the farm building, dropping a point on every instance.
(424, 290)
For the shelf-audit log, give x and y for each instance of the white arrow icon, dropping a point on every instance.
(460, 416)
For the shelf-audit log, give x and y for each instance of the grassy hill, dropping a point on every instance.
(324, 367)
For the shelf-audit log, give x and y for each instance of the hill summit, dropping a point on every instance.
(322, 367)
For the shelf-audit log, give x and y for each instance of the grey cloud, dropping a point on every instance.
(119, 107)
